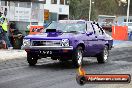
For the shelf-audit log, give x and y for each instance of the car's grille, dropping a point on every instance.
(46, 43)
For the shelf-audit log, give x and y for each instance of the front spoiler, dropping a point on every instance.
(48, 47)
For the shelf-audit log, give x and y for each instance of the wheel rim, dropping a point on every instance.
(105, 54)
(79, 57)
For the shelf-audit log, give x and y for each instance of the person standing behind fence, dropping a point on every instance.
(0, 29)
(4, 26)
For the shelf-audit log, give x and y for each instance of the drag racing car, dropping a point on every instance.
(69, 40)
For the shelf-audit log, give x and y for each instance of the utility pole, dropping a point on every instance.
(90, 10)
(31, 14)
(0, 5)
(128, 11)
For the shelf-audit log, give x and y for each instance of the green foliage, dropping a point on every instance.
(106, 7)
(74, 5)
(80, 8)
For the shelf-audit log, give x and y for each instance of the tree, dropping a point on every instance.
(73, 8)
(80, 8)
(106, 7)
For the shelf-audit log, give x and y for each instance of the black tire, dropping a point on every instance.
(75, 58)
(32, 60)
(81, 80)
(103, 56)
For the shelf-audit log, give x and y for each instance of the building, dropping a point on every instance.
(59, 9)
(122, 19)
(34, 12)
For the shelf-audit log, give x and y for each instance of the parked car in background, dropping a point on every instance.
(69, 40)
(106, 26)
(106, 21)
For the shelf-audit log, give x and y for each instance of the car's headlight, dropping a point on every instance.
(65, 42)
(26, 42)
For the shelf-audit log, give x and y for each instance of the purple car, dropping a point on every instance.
(69, 40)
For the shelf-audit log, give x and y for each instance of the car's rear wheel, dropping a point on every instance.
(32, 59)
(103, 56)
(78, 57)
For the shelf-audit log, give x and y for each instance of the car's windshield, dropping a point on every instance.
(68, 27)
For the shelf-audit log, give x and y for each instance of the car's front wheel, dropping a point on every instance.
(31, 59)
(103, 56)
(78, 57)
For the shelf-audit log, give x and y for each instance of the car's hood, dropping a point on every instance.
(51, 36)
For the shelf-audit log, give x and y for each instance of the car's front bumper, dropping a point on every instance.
(49, 51)
(48, 47)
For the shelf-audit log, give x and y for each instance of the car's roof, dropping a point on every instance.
(74, 21)
(71, 21)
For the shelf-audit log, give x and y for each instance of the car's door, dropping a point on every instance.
(90, 40)
(100, 37)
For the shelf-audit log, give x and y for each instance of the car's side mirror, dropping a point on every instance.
(89, 33)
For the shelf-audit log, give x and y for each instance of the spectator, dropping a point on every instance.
(4, 26)
(15, 36)
(12, 27)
